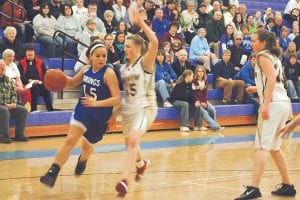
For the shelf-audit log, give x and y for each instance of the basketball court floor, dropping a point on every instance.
(194, 166)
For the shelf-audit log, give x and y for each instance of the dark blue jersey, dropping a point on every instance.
(94, 86)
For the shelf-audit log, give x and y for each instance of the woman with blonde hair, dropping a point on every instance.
(208, 112)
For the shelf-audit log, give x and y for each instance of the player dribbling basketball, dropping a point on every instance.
(92, 111)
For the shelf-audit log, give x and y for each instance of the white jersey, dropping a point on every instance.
(279, 92)
(139, 88)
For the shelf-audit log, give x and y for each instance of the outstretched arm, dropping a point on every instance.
(149, 57)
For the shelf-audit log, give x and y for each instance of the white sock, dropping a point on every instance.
(140, 163)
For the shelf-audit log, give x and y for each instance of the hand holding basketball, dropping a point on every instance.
(55, 80)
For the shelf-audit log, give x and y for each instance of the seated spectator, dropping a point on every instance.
(277, 25)
(32, 8)
(237, 58)
(257, 18)
(247, 71)
(114, 57)
(292, 73)
(169, 11)
(17, 18)
(121, 27)
(250, 23)
(291, 17)
(204, 18)
(173, 37)
(32, 70)
(283, 39)
(224, 73)
(182, 97)
(9, 109)
(12, 70)
(229, 14)
(208, 112)
(159, 25)
(181, 63)
(150, 8)
(200, 50)
(165, 78)
(267, 14)
(70, 25)
(270, 24)
(216, 29)
(226, 39)
(92, 14)
(291, 5)
(102, 6)
(55, 7)
(44, 28)
(291, 50)
(109, 21)
(79, 9)
(166, 46)
(242, 9)
(119, 44)
(294, 31)
(86, 34)
(247, 48)
(83, 58)
(188, 19)
(237, 23)
(9, 41)
(119, 10)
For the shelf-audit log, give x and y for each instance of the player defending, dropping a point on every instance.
(92, 111)
(139, 107)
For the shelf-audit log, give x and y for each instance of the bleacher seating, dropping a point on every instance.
(56, 123)
(254, 5)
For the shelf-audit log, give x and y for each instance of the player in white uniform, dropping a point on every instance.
(139, 107)
(274, 111)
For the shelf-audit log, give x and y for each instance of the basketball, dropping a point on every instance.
(55, 80)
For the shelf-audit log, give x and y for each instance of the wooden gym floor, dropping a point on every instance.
(192, 166)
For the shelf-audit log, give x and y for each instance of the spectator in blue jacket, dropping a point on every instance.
(159, 25)
(247, 72)
(283, 39)
(200, 50)
(165, 78)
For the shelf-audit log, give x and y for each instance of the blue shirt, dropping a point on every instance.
(198, 47)
(246, 74)
(221, 69)
(160, 27)
(165, 72)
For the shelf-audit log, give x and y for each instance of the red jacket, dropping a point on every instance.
(38, 63)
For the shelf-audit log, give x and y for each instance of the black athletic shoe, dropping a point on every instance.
(50, 177)
(250, 193)
(80, 166)
(284, 190)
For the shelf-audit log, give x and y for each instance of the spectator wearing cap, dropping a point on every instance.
(173, 37)
(32, 70)
(159, 25)
(204, 18)
(200, 50)
(237, 53)
(170, 12)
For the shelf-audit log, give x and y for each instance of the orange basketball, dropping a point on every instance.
(55, 80)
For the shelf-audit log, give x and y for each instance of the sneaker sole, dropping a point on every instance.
(45, 181)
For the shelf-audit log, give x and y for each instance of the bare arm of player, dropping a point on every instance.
(112, 120)
(269, 70)
(149, 57)
(290, 126)
(77, 79)
(111, 81)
